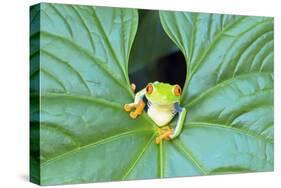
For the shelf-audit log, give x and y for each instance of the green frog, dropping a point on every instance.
(163, 104)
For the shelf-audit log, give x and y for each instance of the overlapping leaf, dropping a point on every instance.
(228, 91)
(84, 133)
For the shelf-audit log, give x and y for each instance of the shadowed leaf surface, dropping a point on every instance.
(151, 42)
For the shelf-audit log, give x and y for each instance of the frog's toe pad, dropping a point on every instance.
(133, 115)
(140, 107)
(158, 140)
(127, 107)
(164, 135)
(167, 138)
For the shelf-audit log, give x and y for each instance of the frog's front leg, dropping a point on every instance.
(180, 122)
(168, 133)
(138, 105)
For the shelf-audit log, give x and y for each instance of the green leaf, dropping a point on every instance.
(79, 84)
(85, 135)
(228, 91)
(151, 42)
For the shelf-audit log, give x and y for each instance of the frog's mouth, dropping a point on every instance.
(162, 104)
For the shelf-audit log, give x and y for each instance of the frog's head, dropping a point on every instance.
(162, 93)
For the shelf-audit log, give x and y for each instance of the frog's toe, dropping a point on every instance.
(127, 107)
(140, 108)
(167, 138)
(158, 140)
(170, 134)
(133, 115)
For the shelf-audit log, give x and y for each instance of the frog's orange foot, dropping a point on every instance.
(138, 109)
(166, 135)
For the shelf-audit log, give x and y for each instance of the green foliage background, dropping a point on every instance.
(79, 83)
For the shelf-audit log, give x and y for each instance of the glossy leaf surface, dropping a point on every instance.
(228, 91)
(86, 136)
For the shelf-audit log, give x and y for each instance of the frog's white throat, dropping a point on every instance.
(161, 114)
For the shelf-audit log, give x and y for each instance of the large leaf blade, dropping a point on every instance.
(83, 56)
(228, 91)
(85, 133)
(241, 37)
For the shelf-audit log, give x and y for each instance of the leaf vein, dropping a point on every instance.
(86, 27)
(242, 131)
(95, 59)
(217, 37)
(54, 77)
(100, 27)
(206, 92)
(94, 144)
(245, 49)
(63, 19)
(190, 156)
(139, 156)
(70, 66)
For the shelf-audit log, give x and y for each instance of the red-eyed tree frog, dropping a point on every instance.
(163, 104)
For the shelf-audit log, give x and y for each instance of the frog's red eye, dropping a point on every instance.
(177, 90)
(149, 88)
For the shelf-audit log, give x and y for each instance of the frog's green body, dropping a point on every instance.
(163, 105)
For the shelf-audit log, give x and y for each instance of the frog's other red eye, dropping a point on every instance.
(149, 88)
(177, 90)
